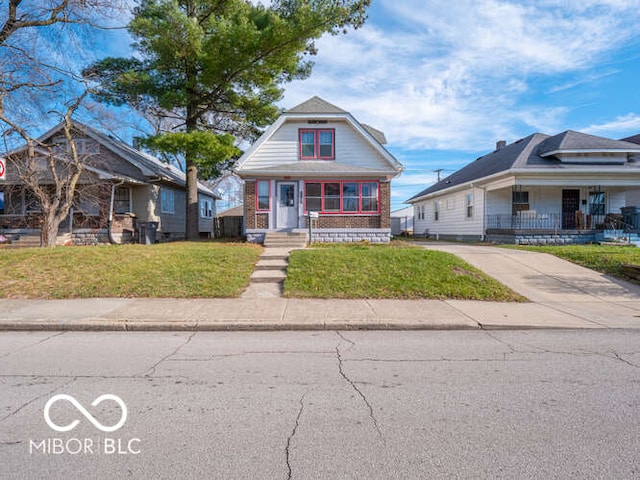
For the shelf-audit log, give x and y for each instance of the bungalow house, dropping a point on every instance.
(121, 189)
(318, 158)
(565, 188)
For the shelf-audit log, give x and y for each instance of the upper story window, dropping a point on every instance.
(84, 146)
(317, 144)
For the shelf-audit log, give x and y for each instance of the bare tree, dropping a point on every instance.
(33, 85)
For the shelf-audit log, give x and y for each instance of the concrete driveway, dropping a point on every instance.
(555, 283)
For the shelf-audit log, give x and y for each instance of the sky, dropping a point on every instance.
(445, 80)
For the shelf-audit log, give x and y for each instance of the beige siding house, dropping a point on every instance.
(566, 188)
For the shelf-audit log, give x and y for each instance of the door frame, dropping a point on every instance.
(292, 221)
(569, 217)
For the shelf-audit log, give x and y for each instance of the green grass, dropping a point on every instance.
(601, 258)
(398, 270)
(180, 270)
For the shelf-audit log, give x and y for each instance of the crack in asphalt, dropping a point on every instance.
(257, 352)
(359, 392)
(343, 337)
(33, 344)
(36, 399)
(287, 450)
(151, 370)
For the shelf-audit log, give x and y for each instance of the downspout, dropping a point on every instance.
(113, 192)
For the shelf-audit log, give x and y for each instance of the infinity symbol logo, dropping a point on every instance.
(84, 412)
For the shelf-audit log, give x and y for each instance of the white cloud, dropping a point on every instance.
(629, 124)
(452, 75)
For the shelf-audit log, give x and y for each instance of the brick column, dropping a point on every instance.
(385, 205)
(250, 204)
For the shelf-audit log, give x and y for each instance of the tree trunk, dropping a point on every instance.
(49, 230)
(193, 230)
(191, 125)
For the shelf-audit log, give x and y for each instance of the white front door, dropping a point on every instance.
(287, 205)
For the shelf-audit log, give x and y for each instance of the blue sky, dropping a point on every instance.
(446, 80)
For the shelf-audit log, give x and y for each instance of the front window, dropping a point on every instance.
(121, 200)
(167, 201)
(350, 196)
(436, 210)
(469, 205)
(596, 203)
(331, 197)
(206, 208)
(313, 197)
(317, 144)
(370, 197)
(1, 202)
(31, 202)
(519, 202)
(342, 197)
(263, 196)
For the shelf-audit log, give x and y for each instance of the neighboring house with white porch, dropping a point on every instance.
(318, 158)
(563, 188)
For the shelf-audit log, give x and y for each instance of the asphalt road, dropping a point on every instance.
(321, 405)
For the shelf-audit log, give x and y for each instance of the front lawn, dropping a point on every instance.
(396, 270)
(182, 270)
(601, 258)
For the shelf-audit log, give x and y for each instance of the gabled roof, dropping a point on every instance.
(571, 141)
(507, 157)
(534, 152)
(315, 105)
(318, 109)
(149, 166)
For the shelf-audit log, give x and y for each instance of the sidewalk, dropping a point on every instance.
(562, 295)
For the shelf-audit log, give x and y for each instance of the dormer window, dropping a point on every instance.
(317, 144)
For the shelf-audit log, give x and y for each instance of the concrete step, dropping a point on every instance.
(268, 276)
(283, 245)
(272, 264)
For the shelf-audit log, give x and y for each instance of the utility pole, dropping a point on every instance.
(438, 172)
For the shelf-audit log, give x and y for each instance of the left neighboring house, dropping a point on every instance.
(119, 183)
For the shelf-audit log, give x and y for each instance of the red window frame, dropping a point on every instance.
(258, 182)
(342, 211)
(316, 143)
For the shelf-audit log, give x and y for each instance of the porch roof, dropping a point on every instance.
(316, 169)
(533, 154)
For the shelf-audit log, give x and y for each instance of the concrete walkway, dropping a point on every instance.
(554, 285)
(562, 296)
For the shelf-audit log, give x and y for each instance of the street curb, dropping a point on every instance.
(252, 327)
(218, 327)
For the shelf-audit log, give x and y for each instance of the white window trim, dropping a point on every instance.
(208, 204)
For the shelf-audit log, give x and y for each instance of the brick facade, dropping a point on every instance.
(250, 204)
(385, 205)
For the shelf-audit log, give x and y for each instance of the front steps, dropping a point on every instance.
(285, 240)
(271, 269)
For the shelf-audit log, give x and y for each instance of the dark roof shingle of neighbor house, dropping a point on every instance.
(528, 152)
